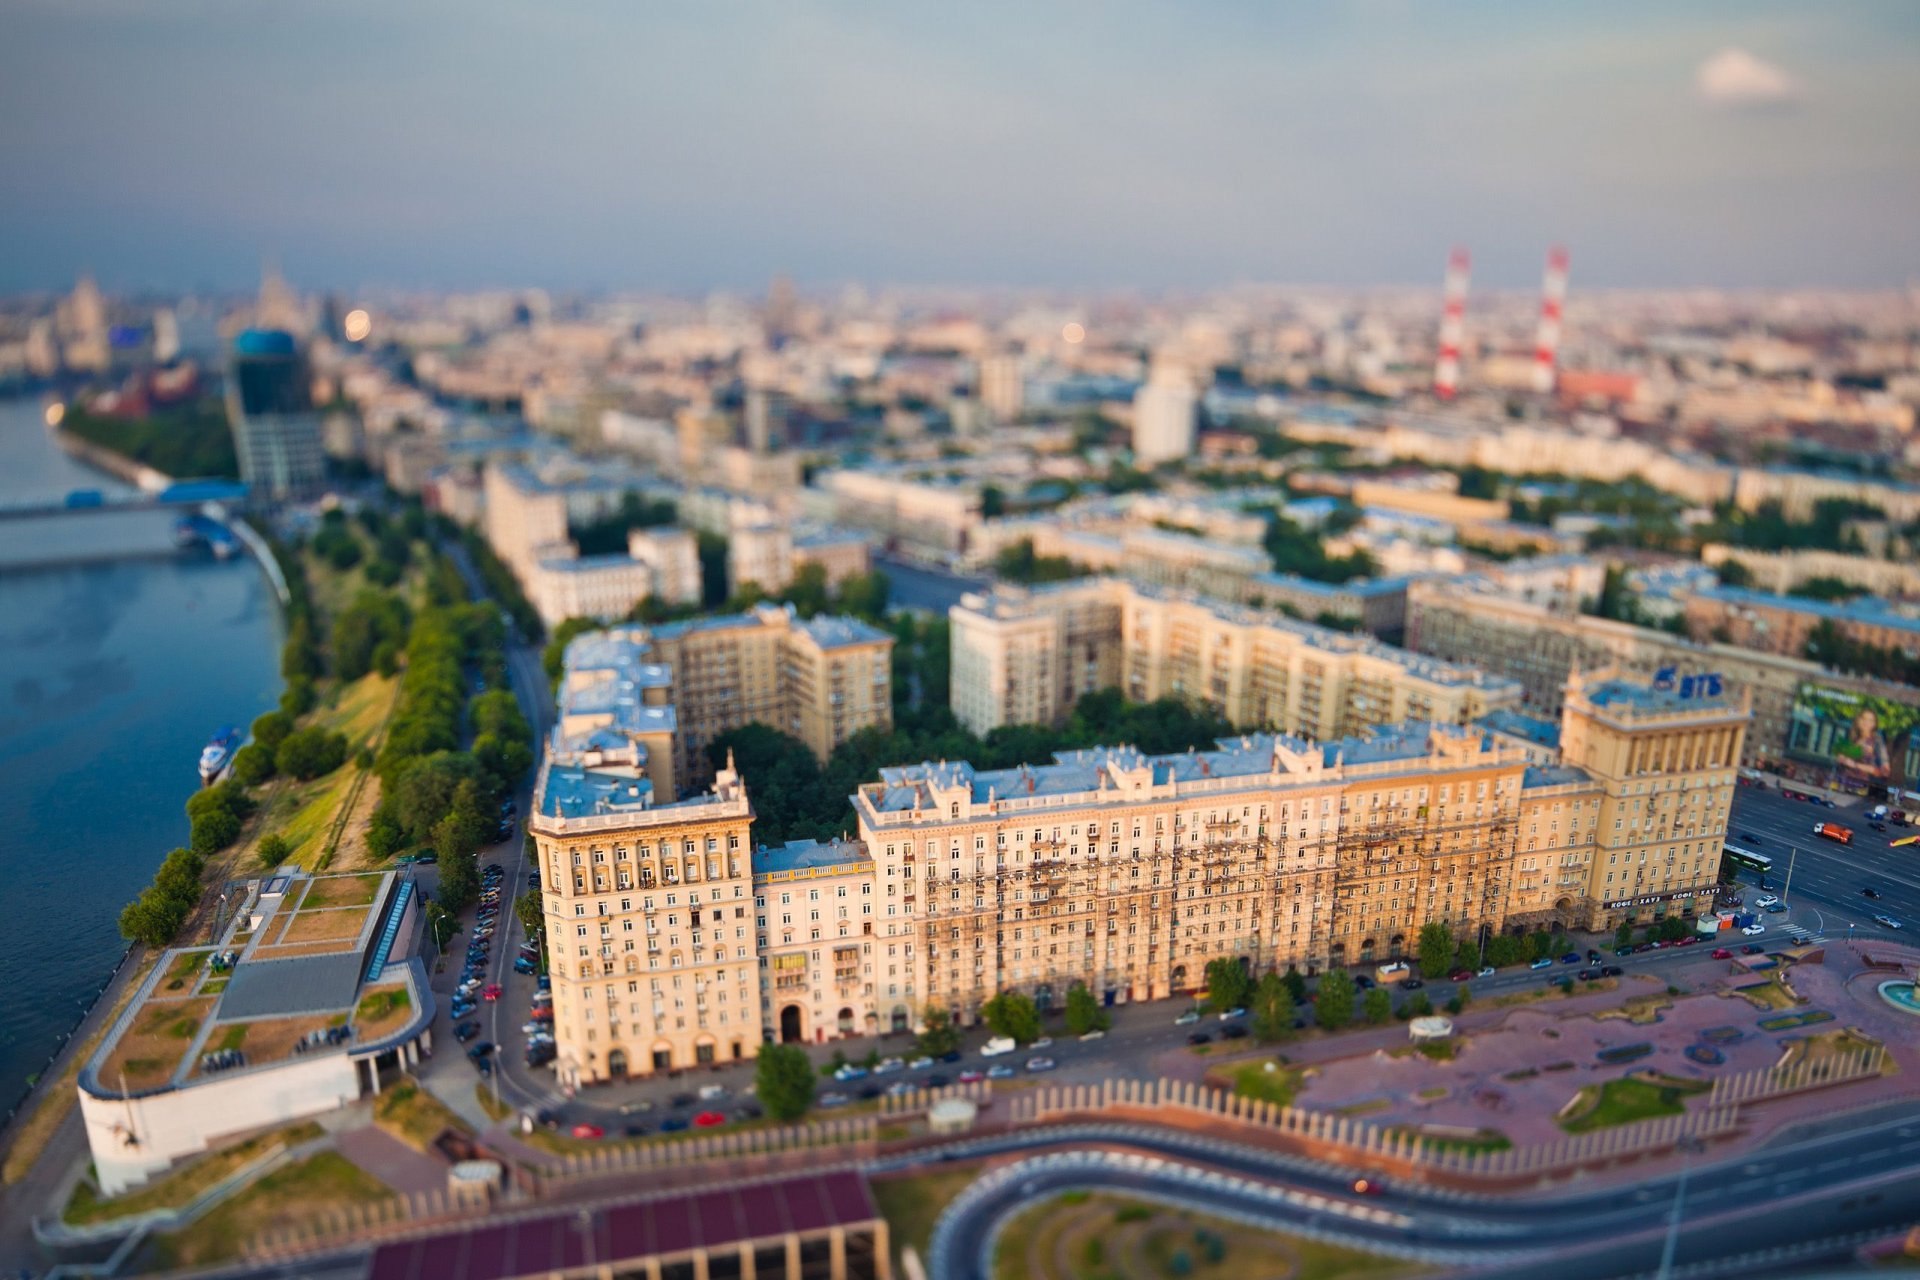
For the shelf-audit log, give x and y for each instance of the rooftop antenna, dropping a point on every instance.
(1453, 317)
(1553, 294)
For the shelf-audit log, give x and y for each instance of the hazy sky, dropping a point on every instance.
(686, 145)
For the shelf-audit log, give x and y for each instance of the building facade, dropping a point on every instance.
(1022, 657)
(277, 436)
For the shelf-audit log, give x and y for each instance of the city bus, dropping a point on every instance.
(1747, 860)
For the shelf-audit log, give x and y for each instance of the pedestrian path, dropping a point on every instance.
(1799, 933)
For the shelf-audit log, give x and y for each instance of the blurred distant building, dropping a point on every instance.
(1163, 417)
(1003, 386)
(276, 432)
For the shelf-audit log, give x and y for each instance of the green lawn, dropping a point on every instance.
(179, 1186)
(1485, 1140)
(912, 1204)
(292, 1194)
(415, 1116)
(1629, 1099)
(1254, 1080)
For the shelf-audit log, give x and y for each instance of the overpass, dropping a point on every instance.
(80, 502)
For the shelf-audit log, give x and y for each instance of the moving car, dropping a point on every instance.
(585, 1130)
(1235, 1032)
(1721, 953)
(1870, 892)
(1766, 900)
(997, 1046)
(1410, 983)
(1460, 975)
(1752, 949)
(1486, 971)
(1754, 930)
(1230, 1014)
(709, 1120)
(491, 992)
(1095, 1034)
(999, 1071)
(850, 1072)
(1040, 1064)
(1370, 1186)
(1187, 1019)
(1888, 922)
(1199, 1038)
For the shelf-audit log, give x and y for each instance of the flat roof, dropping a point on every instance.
(807, 855)
(1868, 610)
(621, 1234)
(1532, 729)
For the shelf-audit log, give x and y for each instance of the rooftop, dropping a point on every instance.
(583, 1239)
(1544, 733)
(905, 788)
(837, 632)
(807, 855)
(1869, 610)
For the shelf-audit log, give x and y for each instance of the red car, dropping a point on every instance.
(1370, 1186)
(1688, 941)
(490, 992)
(1460, 975)
(585, 1130)
(709, 1120)
(1721, 953)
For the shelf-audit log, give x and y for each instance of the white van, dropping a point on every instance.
(1392, 971)
(997, 1046)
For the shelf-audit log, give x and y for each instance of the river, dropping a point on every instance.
(113, 673)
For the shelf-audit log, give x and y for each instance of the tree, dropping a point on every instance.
(1672, 929)
(310, 753)
(298, 697)
(273, 850)
(213, 831)
(1417, 1006)
(783, 1080)
(1334, 1008)
(938, 1036)
(532, 916)
(1436, 949)
(1624, 934)
(1378, 1005)
(1012, 1014)
(271, 729)
(1228, 985)
(252, 765)
(1084, 1013)
(1505, 950)
(1296, 985)
(1272, 1009)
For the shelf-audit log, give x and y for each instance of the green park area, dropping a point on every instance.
(181, 1185)
(1624, 1101)
(289, 1196)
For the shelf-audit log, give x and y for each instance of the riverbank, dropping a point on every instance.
(118, 465)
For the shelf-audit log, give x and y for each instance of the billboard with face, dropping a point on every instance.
(1869, 740)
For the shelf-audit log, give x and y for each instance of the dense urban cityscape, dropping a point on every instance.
(821, 777)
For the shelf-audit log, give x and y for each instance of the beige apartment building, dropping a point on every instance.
(634, 692)
(649, 923)
(1023, 656)
(1107, 867)
(1128, 873)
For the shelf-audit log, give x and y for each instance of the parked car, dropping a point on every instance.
(585, 1130)
(524, 965)
(920, 1063)
(1040, 1064)
(850, 1072)
(1044, 1042)
(709, 1120)
(482, 1050)
(1776, 909)
(1541, 963)
(1460, 975)
(1095, 1034)
(461, 1008)
(466, 1031)
(1187, 1019)
(971, 1076)
(1230, 1014)
(1410, 983)
(1486, 971)
(887, 1066)
(1765, 901)
(1199, 1038)
(999, 1071)
(674, 1124)
(1363, 982)
(1572, 957)
(1235, 1032)
(1754, 930)
(826, 1100)
(1612, 970)
(1589, 975)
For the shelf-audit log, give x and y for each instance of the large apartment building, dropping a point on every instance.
(1023, 656)
(1128, 872)
(1125, 872)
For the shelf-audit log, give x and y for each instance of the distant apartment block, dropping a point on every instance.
(682, 685)
(1782, 571)
(1024, 656)
(1539, 649)
(1784, 624)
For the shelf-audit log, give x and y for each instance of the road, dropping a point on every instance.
(1828, 877)
(1855, 1175)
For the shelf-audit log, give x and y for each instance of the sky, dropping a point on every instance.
(1102, 145)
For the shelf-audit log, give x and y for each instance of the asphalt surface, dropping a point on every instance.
(1857, 1176)
(1825, 890)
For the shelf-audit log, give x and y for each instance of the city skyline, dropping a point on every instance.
(1069, 148)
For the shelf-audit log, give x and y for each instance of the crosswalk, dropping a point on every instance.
(1799, 933)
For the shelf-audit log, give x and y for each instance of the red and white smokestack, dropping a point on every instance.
(1453, 322)
(1553, 294)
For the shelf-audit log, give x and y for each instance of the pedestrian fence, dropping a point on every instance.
(919, 1101)
(737, 1144)
(1811, 1072)
(1361, 1141)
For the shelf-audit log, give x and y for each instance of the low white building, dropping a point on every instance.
(313, 998)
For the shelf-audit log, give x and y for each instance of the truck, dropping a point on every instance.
(1833, 831)
(997, 1046)
(1392, 971)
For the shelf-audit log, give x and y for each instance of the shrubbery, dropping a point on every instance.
(154, 918)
